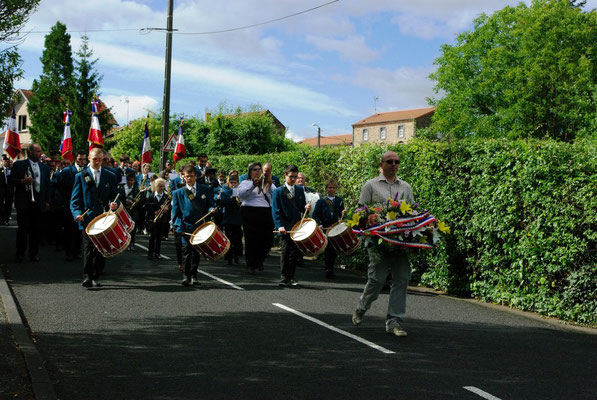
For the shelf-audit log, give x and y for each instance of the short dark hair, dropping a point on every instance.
(291, 168)
(130, 175)
(124, 157)
(331, 181)
(81, 151)
(188, 169)
(201, 155)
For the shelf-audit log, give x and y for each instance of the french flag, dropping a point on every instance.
(95, 138)
(146, 149)
(12, 142)
(66, 146)
(179, 151)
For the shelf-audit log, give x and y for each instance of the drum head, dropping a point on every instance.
(100, 225)
(305, 230)
(337, 229)
(203, 233)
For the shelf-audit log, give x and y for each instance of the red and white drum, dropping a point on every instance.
(309, 237)
(125, 218)
(344, 240)
(108, 235)
(210, 241)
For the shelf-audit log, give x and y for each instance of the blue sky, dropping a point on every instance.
(323, 67)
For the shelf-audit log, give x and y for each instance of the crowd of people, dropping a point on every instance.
(170, 205)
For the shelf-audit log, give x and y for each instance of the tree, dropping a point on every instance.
(54, 89)
(525, 71)
(13, 15)
(129, 139)
(87, 83)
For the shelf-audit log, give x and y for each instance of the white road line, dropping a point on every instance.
(9, 227)
(220, 280)
(481, 393)
(145, 248)
(333, 328)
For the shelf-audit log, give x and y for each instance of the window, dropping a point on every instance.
(22, 122)
(365, 135)
(400, 131)
(382, 133)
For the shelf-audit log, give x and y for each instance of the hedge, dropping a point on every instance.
(523, 215)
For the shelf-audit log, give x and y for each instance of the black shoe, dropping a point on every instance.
(186, 280)
(34, 258)
(294, 283)
(194, 281)
(87, 283)
(330, 274)
(150, 257)
(96, 283)
(284, 283)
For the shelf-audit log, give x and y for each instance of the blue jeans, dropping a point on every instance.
(379, 265)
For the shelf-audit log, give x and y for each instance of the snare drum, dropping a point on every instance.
(125, 218)
(108, 235)
(344, 240)
(210, 241)
(309, 237)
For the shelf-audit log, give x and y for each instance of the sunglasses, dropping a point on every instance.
(392, 161)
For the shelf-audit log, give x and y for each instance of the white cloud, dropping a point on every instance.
(136, 107)
(402, 88)
(351, 48)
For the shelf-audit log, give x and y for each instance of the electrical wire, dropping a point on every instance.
(148, 30)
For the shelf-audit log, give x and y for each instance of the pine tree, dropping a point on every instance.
(53, 91)
(87, 82)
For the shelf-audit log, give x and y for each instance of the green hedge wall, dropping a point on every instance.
(523, 215)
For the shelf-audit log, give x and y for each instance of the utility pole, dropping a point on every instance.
(375, 99)
(167, 75)
(318, 137)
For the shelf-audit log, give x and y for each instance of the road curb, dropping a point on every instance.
(40, 379)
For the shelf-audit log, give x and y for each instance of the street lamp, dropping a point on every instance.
(318, 134)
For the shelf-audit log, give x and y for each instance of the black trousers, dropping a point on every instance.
(66, 231)
(155, 236)
(178, 247)
(28, 231)
(93, 261)
(258, 226)
(234, 233)
(289, 257)
(330, 256)
(6, 199)
(190, 259)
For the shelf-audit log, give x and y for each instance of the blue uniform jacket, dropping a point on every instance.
(231, 207)
(327, 212)
(287, 210)
(87, 196)
(186, 212)
(22, 196)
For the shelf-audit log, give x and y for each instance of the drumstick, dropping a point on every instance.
(302, 219)
(205, 216)
(82, 215)
(286, 231)
(117, 195)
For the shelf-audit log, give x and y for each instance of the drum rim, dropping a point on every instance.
(200, 227)
(327, 231)
(102, 215)
(298, 224)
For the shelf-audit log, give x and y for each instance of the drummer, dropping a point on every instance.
(131, 197)
(328, 211)
(189, 204)
(94, 189)
(288, 204)
(157, 212)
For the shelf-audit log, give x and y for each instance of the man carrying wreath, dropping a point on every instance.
(378, 190)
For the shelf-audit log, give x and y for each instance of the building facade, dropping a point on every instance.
(391, 127)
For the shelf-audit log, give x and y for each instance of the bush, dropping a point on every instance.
(523, 215)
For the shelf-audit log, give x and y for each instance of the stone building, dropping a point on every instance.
(391, 127)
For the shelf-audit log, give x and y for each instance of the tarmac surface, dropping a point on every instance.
(238, 336)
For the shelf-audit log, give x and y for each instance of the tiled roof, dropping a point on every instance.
(336, 140)
(392, 116)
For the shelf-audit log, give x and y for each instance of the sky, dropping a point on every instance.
(331, 66)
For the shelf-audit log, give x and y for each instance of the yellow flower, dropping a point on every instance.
(354, 221)
(423, 239)
(391, 215)
(443, 227)
(405, 208)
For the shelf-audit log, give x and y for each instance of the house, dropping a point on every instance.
(22, 98)
(331, 141)
(391, 127)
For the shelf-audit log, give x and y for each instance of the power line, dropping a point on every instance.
(148, 30)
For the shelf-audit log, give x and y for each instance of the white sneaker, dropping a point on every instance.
(396, 331)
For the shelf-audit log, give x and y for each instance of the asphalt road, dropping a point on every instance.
(144, 336)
